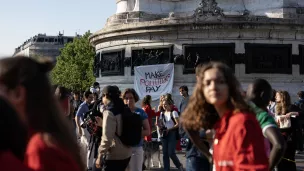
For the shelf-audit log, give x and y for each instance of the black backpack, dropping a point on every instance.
(131, 127)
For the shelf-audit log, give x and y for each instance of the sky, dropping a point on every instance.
(23, 19)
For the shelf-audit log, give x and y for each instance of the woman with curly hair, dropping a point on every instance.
(169, 123)
(285, 114)
(238, 143)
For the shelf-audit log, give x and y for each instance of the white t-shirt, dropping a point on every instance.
(169, 123)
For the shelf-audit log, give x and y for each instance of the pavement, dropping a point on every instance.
(182, 158)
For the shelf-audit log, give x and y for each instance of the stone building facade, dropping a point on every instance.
(43, 45)
(258, 39)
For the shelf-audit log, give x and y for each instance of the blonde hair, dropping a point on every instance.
(283, 105)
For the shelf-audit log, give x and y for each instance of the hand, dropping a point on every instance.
(99, 121)
(98, 162)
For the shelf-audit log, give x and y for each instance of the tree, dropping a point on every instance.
(74, 67)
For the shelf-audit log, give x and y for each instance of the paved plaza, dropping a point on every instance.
(299, 161)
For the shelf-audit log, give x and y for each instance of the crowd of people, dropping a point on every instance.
(49, 128)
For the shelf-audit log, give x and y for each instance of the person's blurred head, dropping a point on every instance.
(217, 90)
(146, 101)
(183, 91)
(130, 97)
(61, 92)
(260, 93)
(301, 94)
(76, 95)
(111, 95)
(168, 97)
(95, 97)
(95, 88)
(283, 102)
(167, 104)
(88, 96)
(29, 91)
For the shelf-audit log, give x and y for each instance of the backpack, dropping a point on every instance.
(131, 126)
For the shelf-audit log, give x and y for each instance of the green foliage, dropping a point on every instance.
(74, 67)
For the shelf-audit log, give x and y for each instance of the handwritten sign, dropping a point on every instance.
(154, 80)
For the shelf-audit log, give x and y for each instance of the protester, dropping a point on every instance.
(146, 106)
(113, 154)
(260, 93)
(168, 125)
(130, 97)
(285, 114)
(83, 133)
(62, 94)
(51, 145)
(238, 143)
(183, 90)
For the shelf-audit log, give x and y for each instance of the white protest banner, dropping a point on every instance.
(153, 80)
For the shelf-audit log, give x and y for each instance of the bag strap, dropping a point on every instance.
(172, 118)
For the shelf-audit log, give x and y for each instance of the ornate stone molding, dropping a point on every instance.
(207, 9)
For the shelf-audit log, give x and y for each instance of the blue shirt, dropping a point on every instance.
(83, 108)
(143, 116)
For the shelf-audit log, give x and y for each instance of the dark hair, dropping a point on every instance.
(95, 84)
(63, 92)
(301, 94)
(12, 130)
(42, 111)
(168, 97)
(195, 115)
(87, 93)
(273, 98)
(260, 93)
(146, 101)
(113, 94)
(76, 93)
(185, 88)
(132, 91)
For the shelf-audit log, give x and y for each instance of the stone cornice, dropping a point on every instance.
(170, 25)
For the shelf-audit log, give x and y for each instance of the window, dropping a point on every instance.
(268, 58)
